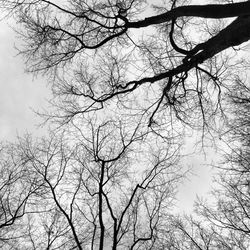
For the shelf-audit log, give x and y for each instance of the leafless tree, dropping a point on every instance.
(112, 186)
(225, 223)
(102, 189)
(107, 54)
(197, 234)
(232, 209)
(17, 190)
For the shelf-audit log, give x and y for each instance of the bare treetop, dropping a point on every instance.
(128, 81)
(105, 59)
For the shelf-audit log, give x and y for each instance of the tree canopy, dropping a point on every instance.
(109, 50)
(129, 80)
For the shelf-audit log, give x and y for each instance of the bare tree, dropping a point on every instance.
(188, 233)
(232, 209)
(112, 186)
(225, 223)
(174, 68)
(102, 189)
(17, 190)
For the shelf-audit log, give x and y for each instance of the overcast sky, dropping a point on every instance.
(20, 92)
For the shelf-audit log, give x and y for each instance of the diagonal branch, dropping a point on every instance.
(205, 11)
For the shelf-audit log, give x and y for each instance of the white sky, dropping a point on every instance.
(19, 92)
(200, 181)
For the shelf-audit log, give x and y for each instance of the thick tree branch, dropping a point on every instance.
(205, 11)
